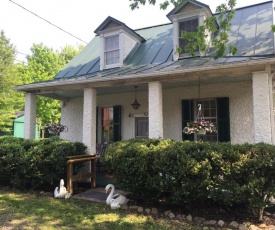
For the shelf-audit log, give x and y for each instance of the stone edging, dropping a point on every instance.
(198, 220)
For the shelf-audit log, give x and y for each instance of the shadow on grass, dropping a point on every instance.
(32, 211)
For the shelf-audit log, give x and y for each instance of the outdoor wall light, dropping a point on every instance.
(135, 104)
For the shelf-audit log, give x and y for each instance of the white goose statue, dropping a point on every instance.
(114, 200)
(62, 191)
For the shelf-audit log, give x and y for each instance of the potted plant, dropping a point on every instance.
(55, 128)
(199, 127)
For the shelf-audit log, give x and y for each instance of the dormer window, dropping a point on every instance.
(112, 50)
(188, 16)
(116, 42)
(189, 25)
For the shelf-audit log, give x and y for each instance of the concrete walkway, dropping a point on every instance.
(97, 194)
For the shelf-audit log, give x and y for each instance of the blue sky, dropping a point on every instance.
(79, 17)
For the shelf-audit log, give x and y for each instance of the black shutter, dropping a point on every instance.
(117, 123)
(223, 119)
(187, 116)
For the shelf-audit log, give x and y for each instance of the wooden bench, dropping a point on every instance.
(81, 176)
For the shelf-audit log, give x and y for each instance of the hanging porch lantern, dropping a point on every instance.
(135, 104)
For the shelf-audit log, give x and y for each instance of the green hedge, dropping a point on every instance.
(33, 164)
(193, 172)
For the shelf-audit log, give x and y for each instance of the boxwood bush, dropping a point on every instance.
(191, 173)
(33, 164)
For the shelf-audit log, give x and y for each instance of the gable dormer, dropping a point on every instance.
(187, 17)
(116, 42)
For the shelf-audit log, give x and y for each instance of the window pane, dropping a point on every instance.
(112, 57)
(112, 50)
(187, 26)
(111, 43)
(141, 127)
(209, 112)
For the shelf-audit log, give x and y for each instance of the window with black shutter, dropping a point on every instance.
(214, 110)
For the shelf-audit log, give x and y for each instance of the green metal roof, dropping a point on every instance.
(250, 33)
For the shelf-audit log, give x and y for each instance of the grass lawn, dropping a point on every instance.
(33, 211)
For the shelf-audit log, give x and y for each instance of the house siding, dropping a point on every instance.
(240, 105)
(128, 45)
(72, 117)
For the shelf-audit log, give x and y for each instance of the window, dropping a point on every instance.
(187, 26)
(209, 111)
(107, 125)
(112, 50)
(222, 117)
(141, 127)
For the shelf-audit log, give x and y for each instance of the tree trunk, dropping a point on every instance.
(260, 214)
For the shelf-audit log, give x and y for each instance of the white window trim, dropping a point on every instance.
(133, 124)
(108, 33)
(200, 14)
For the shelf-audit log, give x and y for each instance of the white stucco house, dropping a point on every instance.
(121, 65)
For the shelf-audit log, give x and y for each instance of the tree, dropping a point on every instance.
(10, 100)
(226, 12)
(42, 65)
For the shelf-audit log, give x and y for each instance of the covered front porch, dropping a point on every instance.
(248, 87)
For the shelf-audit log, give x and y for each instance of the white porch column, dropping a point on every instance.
(89, 119)
(155, 110)
(30, 116)
(262, 107)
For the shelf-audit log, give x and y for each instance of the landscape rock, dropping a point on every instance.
(179, 217)
(210, 222)
(133, 207)
(221, 223)
(124, 206)
(140, 209)
(189, 218)
(242, 227)
(166, 213)
(148, 210)
(154, 211)
(199, 220)
(234, 224)
(171, 215)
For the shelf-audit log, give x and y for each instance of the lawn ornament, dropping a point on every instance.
(62, 191)
(114, 200)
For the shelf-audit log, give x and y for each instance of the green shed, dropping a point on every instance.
(18, 128)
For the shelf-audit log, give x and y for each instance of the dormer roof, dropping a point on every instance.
(187, 6)
(110, 23)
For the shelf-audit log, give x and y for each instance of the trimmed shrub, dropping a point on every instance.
(33, 164)
(193, 172)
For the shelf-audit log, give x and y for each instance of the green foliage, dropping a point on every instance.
(43, 64)
(192, 172)
(32, 164)
(10, 101)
